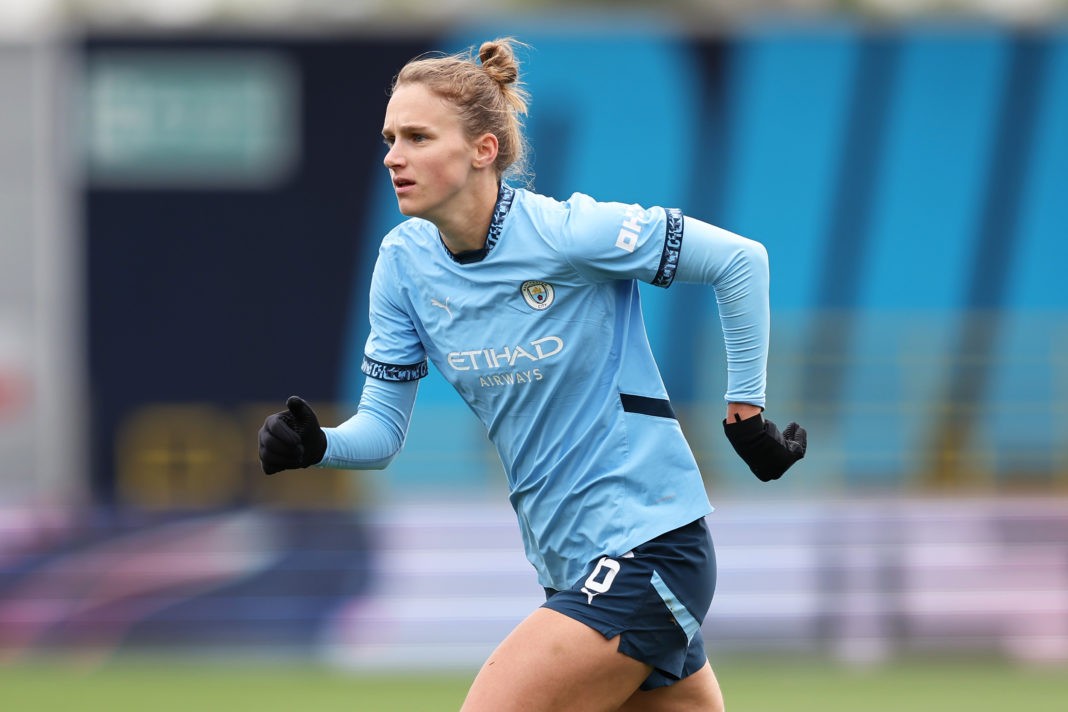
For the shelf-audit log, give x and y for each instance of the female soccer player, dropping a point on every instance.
(529, 307)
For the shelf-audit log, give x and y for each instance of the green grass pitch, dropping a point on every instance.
(751, 685)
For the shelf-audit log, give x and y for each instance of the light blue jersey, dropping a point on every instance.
(542, 335)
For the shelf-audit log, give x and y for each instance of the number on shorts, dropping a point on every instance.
(602, 577)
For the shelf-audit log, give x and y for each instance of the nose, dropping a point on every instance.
(392, 158)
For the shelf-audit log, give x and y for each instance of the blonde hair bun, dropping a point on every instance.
(498, 61)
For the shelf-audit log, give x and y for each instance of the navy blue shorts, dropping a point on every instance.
(654, 598)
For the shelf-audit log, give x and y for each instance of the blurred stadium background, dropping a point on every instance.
(191, 195)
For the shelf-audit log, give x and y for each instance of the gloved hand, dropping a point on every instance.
(291, 438)
(768, 452)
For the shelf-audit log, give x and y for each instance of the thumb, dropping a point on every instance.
(302, 413)
(798, 436)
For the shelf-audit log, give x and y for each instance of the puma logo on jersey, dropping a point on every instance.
(444, 305)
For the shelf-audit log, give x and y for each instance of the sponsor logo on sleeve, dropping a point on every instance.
(633, 219)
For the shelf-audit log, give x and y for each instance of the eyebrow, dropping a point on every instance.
(408, 128)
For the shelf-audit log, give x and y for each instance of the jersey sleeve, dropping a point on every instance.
(605, 241)
(737, 269)
(371, 438)
(393, 351)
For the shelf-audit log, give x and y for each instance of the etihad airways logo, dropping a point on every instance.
(491, 357)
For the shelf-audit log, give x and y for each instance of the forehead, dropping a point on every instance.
(415, 104)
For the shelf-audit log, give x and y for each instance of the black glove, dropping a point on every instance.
(291, 438)
(767, 452)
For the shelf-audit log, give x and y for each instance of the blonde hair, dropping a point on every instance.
(487, 94)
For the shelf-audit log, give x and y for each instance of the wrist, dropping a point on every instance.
(742, 411)
(314, 447)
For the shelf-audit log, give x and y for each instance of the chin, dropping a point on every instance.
(407, 209)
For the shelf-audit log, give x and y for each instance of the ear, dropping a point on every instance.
(485, 152)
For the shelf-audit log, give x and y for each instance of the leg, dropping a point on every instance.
(553, 663)
(697, 693)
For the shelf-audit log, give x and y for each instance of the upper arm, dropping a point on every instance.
(393, 351)
(605, 241)
(712, 255)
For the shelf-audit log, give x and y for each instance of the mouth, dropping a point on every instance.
(402, 185)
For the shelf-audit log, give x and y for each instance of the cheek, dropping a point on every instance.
(451, 169)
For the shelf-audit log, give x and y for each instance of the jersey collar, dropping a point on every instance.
(505, 195)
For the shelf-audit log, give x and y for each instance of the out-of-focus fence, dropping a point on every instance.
(854, 580)
(437, 585)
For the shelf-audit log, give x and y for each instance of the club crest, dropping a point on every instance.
(538, 295)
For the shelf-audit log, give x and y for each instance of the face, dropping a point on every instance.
(430, 159)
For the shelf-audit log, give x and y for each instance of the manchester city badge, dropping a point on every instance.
(537, 294)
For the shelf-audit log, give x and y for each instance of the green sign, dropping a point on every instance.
(190, 118)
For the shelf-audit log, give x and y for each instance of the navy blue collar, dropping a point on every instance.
(505, 195)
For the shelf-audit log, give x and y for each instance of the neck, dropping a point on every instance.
(467, 227)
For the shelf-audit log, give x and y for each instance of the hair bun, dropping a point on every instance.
(498, 61)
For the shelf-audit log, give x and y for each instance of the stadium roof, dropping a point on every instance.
(18, 17)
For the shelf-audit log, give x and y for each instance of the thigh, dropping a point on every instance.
(553, 663)
(699, 692)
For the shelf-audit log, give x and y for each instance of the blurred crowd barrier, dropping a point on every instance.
(191, 220)
(861, 582)
(436, 585)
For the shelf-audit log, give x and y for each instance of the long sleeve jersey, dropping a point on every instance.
(541, 333)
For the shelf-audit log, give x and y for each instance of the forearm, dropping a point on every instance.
(371, 438)
(737, 270)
